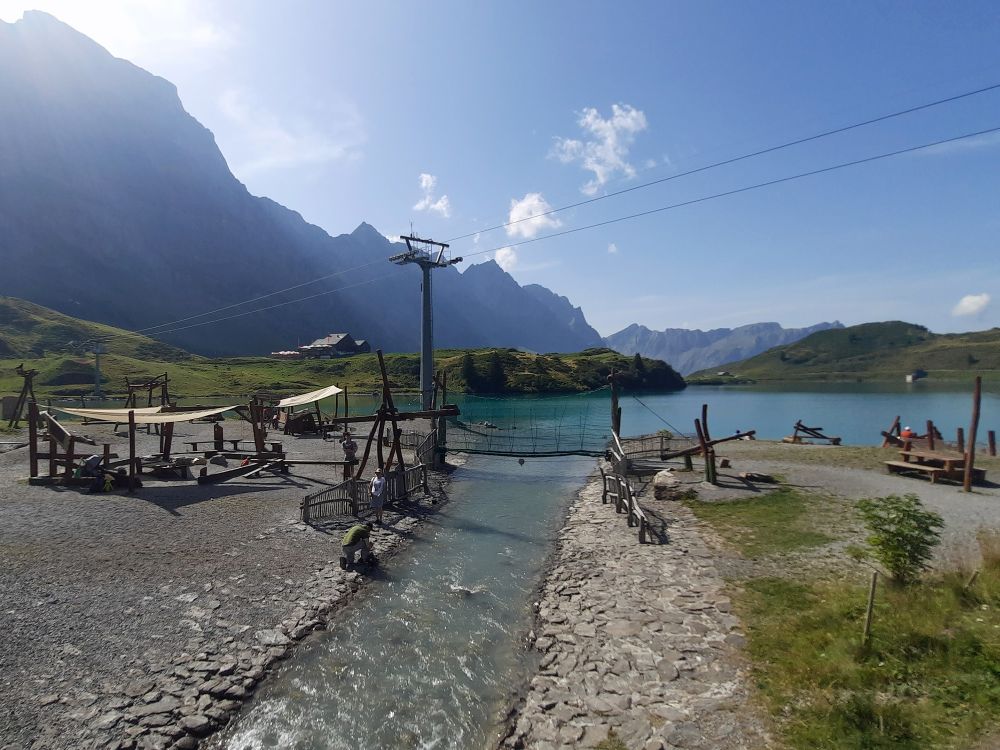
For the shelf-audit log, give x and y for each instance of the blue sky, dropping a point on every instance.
(456, 116)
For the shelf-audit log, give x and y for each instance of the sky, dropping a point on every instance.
(450, 117)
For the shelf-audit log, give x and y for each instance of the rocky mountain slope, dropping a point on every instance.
(117, 206)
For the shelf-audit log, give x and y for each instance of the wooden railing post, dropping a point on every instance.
(33, 438)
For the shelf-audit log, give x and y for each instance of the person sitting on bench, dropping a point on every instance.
(357, 539)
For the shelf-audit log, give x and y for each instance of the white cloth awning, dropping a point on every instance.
(103, 413)
(308, 398)
(144, 416)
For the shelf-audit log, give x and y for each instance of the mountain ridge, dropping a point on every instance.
(690, 350)
(118, 206)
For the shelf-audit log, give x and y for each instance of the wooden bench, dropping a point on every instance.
(274, 446)
(898, 467)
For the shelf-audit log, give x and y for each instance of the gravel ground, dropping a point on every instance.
(849, 473)
(144, 619)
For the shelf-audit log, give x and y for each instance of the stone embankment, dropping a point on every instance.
(144, 620)
(635, 639)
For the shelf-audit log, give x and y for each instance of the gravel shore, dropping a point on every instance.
(144, 620)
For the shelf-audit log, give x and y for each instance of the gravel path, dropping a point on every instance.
(143, 620)
(637, 639)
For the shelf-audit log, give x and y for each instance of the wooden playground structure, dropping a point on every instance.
(52, 441)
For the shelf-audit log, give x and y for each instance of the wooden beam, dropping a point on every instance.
(33, 439)
(131, 451)
(970, 454)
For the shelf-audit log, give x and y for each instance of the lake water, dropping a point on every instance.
(856, 412)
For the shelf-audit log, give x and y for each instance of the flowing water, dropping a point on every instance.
(427, 656)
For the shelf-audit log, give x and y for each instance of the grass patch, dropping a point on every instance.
(930, 678)
(767, 524)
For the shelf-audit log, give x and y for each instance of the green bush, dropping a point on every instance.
(902, 534)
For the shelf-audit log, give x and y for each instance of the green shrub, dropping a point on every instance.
(902, 534)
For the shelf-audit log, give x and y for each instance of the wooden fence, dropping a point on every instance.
(352, 497)
(618, 490)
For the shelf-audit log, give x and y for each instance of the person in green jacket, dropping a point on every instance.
(357, 539)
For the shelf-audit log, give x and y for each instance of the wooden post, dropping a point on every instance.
(218, 435)
(258, 432)
(131, 451)
(704, 450)
(991, 438)
(871, 611)
(893, 430)
(33, 438)
(930, 435)
(166, 438)
(970, 454)
(107, 456)
(442, 423)
(704, 422)
(53, 447)
(70, 452)
(960, 439)
(688, 463)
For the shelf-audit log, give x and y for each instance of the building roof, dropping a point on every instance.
(331, 339)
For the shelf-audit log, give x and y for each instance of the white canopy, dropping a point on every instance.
(308, 398)
(144, 415)
(103, 413)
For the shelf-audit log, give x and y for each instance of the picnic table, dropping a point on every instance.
(933, 463)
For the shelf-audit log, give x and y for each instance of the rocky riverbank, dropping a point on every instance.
(144, 621)
(635, 639)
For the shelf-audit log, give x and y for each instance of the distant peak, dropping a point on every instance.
(366, 231)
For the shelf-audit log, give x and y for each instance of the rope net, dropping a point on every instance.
(537, 427)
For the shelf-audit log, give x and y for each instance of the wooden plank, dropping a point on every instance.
(239, 471)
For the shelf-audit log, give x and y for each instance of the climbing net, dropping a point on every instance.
(550, 426)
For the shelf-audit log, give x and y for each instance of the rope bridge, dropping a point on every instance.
(530, 428)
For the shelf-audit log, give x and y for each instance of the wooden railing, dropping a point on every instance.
(617, 489)
(353, 496)
(426, 450)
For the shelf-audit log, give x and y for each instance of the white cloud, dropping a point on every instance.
(506, 258)
(442, 206)
(605, 147)
(987, 140)
(525, 216)
(291, 141)
(971, 304)
(613, 248)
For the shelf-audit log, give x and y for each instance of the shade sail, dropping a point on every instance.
(308, 398)
(103, 413)
(143, 416)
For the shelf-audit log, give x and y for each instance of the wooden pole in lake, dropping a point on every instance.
(991, 441)
(970, 453)
(930, 435)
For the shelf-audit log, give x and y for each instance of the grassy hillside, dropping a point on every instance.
(57, 346)
(873, 351)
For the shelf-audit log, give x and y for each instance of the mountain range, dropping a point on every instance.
(691, 350)
(116, 205)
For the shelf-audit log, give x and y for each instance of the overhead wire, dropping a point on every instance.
(153, 329)
(629, 217)
(736, 191)
(735, 159)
